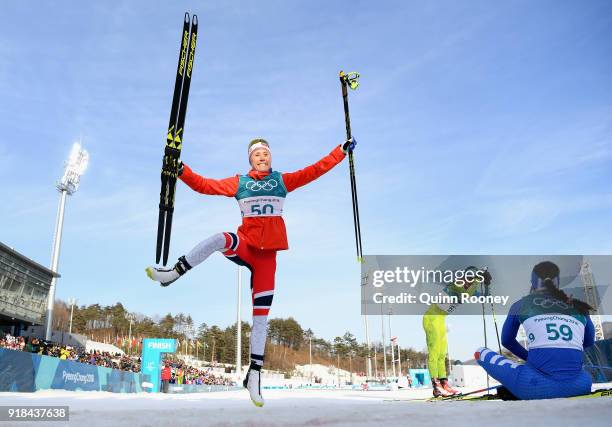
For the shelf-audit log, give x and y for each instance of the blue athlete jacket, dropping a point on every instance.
(556, 334)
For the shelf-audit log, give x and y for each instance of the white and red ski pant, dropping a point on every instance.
(262, 265)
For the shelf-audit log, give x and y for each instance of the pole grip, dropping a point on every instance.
(347, 118)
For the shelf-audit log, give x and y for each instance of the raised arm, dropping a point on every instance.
(215, 187)
(294, 180)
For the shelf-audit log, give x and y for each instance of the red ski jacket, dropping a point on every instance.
(166, 373)
(263, 232)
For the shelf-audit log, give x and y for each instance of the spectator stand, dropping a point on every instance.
(29, 364)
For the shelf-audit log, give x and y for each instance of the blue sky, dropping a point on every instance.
(482, 129)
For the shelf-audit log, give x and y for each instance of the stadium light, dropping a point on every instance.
(75, 167)
(131, 317)
(71, 302)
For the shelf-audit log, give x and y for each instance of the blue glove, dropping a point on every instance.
(349, 145)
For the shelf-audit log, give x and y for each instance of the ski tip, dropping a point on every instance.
(187, 17)
(194, 20)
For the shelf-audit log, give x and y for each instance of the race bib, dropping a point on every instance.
(261, 206)
(554, 331)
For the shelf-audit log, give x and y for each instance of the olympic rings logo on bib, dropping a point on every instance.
(549, 303)
(268, 185)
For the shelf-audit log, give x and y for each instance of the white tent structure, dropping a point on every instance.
(100, 346)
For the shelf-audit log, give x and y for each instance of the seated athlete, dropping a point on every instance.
(558, 329)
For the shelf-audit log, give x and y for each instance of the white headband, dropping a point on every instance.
(258, 145)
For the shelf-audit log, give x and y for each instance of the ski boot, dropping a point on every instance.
(252, 383)
(504, 394)
(166, 276)
(446, 386)
(438, 390)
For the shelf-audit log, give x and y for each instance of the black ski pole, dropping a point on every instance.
(487, 292)
(496, 329)
(352, 80)
(484, 326)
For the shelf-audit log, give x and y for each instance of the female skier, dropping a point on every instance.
(558, 329)
(434, 324)
(260, 194)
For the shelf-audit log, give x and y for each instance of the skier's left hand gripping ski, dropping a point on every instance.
(175, 137)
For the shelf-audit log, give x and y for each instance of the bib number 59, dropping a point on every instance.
(564, 332)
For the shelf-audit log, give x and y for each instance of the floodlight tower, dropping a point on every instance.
(590, 291)
(71, 303)
(68, 185)
(364, 283)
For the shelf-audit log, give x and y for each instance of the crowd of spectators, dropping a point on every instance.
(77, 354)
(181, 373)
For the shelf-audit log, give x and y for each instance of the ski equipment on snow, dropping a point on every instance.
(463, 395)
(174, 138)
(607, 392)
(500, 396)
(438, 390)
(472, 396)
(447, 387)
(351, 80)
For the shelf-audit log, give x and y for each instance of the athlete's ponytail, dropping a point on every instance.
(580, 306)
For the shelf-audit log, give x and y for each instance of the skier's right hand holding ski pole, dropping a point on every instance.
(349, 145)
(487, 281)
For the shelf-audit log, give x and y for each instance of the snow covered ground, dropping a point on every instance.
(309, 407)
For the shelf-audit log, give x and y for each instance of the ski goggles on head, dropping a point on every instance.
(542, 272)
(537, 282)
(257, 144)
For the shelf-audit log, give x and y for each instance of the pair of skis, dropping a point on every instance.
(459, 396)
(473, 396)
(174, 138)
(597, 393)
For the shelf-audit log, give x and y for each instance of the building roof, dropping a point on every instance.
(27, 260)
